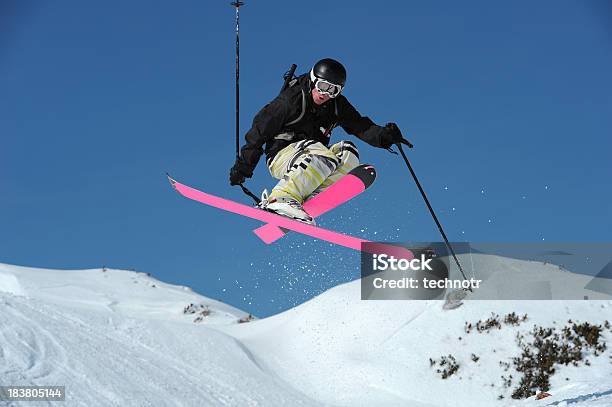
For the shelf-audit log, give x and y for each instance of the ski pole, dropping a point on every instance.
(433, 214)
(237, 5)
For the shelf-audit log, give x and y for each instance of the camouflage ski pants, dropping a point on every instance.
(307, 167)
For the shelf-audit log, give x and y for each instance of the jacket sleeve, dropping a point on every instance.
(361, 126)
(266, 124)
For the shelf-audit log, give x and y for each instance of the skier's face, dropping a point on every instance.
(319, 98)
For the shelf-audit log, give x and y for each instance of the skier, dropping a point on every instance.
(295, 128)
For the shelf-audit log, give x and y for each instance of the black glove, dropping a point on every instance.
(391, 134)
(239, 172)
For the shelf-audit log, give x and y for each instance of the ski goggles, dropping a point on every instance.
(324, 87)
(327, 88)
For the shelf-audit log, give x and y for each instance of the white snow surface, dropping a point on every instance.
(120, 338)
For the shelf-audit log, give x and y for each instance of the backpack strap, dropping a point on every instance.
(301, 113)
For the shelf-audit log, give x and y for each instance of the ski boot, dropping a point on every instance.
(285, 206)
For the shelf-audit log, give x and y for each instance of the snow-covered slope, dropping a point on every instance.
(120, 338)
(117, 338)
(343, 351)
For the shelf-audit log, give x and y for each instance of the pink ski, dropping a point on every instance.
(346, 188)
(341, 239)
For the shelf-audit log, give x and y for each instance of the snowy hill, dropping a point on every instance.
(121, 338)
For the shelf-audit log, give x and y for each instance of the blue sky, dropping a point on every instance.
(509, 106)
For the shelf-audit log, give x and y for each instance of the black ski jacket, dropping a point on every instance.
(293, 116)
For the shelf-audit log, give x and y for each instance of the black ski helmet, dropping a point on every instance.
(329, 70)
